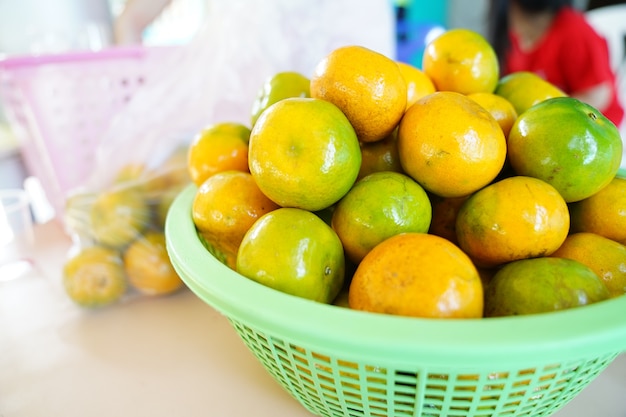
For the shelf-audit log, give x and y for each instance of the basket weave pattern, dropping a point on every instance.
(335, 387)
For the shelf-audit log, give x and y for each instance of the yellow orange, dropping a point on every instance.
(379, 156)
(603, 213)
(418, 84)
(220, 147)
(450, 144)
(500, 108)
(225, 207)
(524, 89)
(418, 275)
(367, 86)
(148, 268)
(604, 256)
(304, 153)
(511, 219)
(461, 60)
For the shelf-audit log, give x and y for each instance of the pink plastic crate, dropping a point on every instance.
(60, 105)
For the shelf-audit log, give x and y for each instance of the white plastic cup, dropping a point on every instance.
(16, 234)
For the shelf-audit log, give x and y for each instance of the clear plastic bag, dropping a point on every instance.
(215, 78)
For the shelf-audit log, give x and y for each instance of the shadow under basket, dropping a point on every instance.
(340, 362)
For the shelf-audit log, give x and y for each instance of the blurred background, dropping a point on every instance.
(33, 27)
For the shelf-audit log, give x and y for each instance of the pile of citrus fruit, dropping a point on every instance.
(445, 192)
(119, 235)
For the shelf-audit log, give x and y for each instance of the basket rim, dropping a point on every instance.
(589, 331)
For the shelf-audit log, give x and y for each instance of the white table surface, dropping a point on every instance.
(169, 356)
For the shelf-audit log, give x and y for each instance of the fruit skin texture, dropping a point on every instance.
(377, 207)
(279, 86)
(225, 206)
(367, 86)
(461, 60)
(511, 219)
(605, 257)
(568, 144)
(450, 144)
(304, 153)
(417, 275)
(542, 285)
(219, 147)
(293, 251)
(524, 89)
(94, 277)
(148, 268)
(603, 213)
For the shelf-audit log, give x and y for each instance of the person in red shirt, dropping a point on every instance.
(552, 39)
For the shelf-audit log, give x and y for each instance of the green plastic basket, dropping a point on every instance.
(340, 362)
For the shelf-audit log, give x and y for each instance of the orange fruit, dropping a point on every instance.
(220, 147)
(443, 221)
(304, 153)
(500, 108)
(605, 257)
(94, 277)
(281, 85)
(293, 251)
(542, 285)
(367, 86)
(603, 213)
(418, 275)
(524, 89)
(379, 206)
(148, 268)
(568, 144)
(225, 207)
(118, 216)
(418, 84)
(514, 218)
(461, 60)
(381, 155)
(450, 144)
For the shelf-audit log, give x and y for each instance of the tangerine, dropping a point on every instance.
(225, 207)
(524, 89)
(292, 250)
(568, 144)
(367, 86)
(500, 108)
(605, 257)
(418, 84)
(281, 85)
(148, 268)
(542, 285)
(603, 213)
(511, 219)
(382, 155)
(450, 144)
(94, 277)
(461, 60)
(417, 275)
(304, 153)
(219, 147)
(381, 205)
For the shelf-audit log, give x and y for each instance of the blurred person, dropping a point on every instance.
(552, 39)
